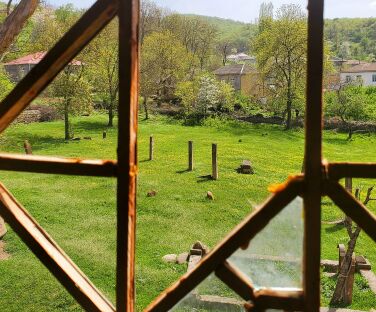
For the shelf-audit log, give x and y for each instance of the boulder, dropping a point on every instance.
(171, 258)
(209, 195)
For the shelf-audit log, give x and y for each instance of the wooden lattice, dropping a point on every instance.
(320, 179)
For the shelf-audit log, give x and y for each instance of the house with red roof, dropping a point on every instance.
(19, 68)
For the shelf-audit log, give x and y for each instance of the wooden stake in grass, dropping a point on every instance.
(27, 147)
(214, 162)
(190, 156)
(151, 148)
(104, 134)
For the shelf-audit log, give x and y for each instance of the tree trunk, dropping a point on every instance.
(110, 115)
(146, 108)
(344, 270)
(66, 122)
(289, 107)
(14, 23)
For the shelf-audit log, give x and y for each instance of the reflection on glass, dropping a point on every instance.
(273, 258)
(211, 295)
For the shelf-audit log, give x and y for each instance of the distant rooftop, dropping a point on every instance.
(361, 68)
(241, 57)
(235, 69)
(35, 58)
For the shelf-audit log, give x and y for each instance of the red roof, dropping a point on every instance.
(35, 59)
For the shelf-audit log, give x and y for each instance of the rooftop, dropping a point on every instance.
(361, 68)
(236, 69)
(35, 58)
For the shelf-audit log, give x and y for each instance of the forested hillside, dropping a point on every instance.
(350, 38)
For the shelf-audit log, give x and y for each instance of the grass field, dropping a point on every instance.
(79, 212)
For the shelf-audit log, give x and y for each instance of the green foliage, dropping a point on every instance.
(206, 94)
(5, 84)
(351, 102)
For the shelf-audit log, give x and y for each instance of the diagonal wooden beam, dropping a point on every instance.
(94, 20)
(336, 171)
(51, 255)
(236, 280)
(55, 165)
(352, 208)
(240, 236)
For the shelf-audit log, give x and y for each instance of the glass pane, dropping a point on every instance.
(274, 256)
(211, 295)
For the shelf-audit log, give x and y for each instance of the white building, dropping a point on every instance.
(242, 58)
(364, 73)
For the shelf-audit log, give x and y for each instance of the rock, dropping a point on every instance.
(152, 194)
(182, 258)
(200, 246)
(3, 229)
(246, 167)
(209, 195)
(171, 258)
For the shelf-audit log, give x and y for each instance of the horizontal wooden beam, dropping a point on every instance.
(336, 171)
(284, 300)
(55, 165)
(240, 236)
(352, 207)
(51, 255)
(236, 280)
(94, 20)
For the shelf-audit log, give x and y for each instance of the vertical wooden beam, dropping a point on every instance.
(214, 162)
(190, 156)
(151, 148)
(313, 156)
(127, 154)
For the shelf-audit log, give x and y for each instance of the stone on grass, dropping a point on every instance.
(3, 229)
(246, 167)
(182, 258)
(209, 195)
(152, 193)
(171, 258)
(200, 246)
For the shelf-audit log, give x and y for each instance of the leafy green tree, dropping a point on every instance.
(164, 62)
(75, 94)
(102, 59)
(187, 91)
(5, 84)
(281, 50)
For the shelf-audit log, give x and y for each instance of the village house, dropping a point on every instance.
(19, 68)
(242, 58)
(364, 73)
(244, 78)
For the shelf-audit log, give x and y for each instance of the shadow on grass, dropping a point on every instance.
(204, 178)
(38, 142)
(91, 125)
(334, 228)
(183, 171)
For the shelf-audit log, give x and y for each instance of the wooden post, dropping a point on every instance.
(151, 148)
(27, 147)
(104, 134)
(190, 156)
(214, 162)
(349, 286)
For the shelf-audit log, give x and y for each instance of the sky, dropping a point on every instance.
(247, 10)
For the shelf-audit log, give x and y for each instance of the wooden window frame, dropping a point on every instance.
(320, 179)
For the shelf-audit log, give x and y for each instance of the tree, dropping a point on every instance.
(281, 50)
(102, 58)
(353, 232)
(164, 62)
(265, 15)
(75, 95)
(349, 102)
(151, 17)
(15, 22)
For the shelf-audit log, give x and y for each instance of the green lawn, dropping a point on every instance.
(79, 212)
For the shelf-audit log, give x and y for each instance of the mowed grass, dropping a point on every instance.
(80, 212)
